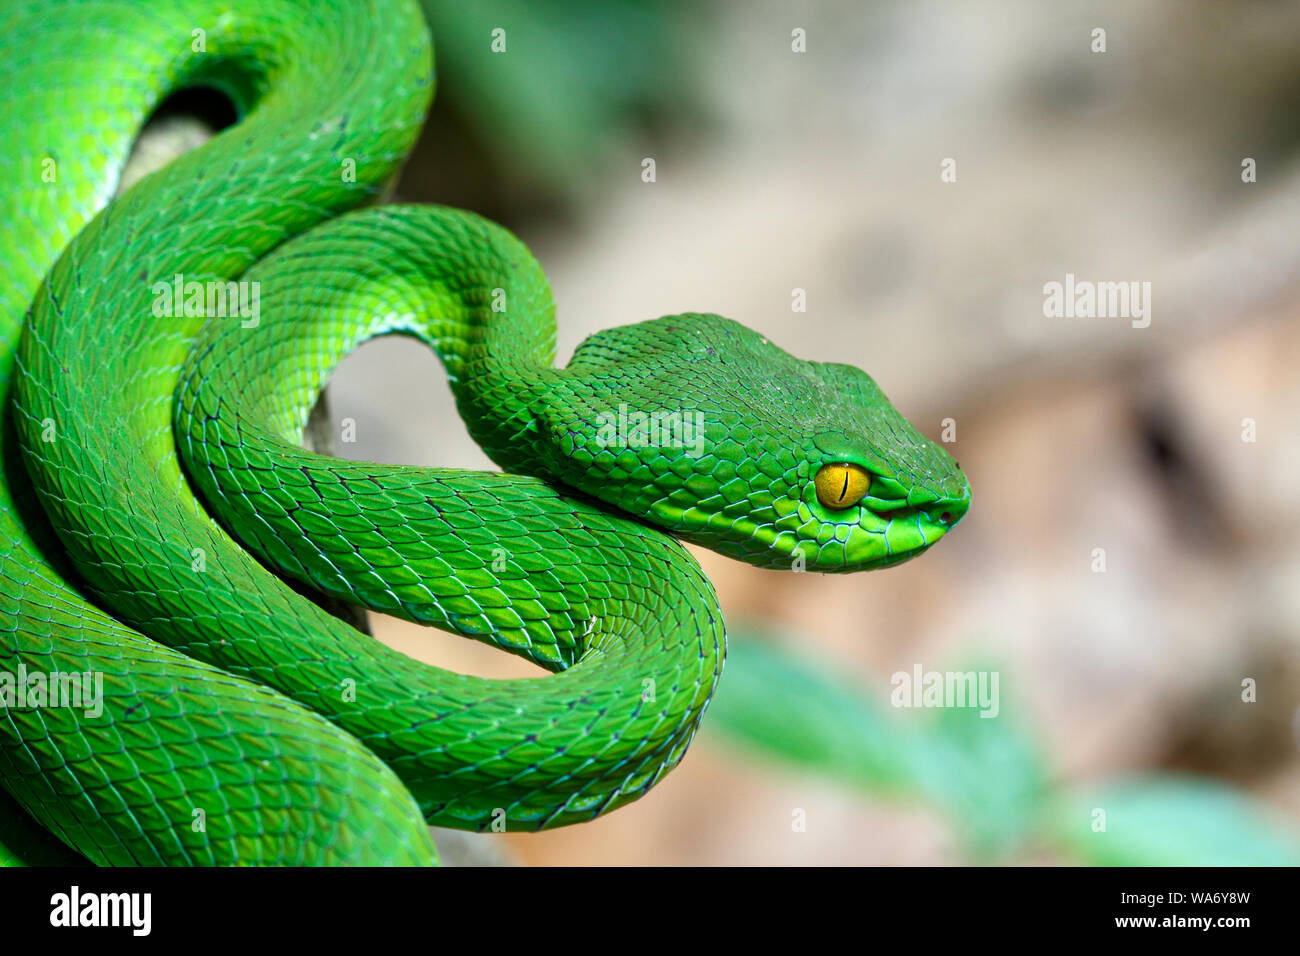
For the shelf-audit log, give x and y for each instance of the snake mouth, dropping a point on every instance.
(930, 524)
(908, 531)
(941, 515)
(896, 514)
(876, 539)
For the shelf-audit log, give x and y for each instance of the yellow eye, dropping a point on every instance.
(841, 484)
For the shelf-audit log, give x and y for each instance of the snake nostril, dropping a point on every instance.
(946, 517)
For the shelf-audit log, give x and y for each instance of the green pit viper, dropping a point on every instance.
(241, 722)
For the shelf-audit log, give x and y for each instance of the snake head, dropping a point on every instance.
(703, 427)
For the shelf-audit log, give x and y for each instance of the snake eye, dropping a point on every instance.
(841, 484)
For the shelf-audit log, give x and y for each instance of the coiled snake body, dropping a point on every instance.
(153, 473)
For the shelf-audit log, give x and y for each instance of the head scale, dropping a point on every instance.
(703, 427)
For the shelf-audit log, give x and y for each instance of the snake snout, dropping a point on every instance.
(948, 512)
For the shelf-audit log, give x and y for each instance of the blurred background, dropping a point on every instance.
(1131, 565)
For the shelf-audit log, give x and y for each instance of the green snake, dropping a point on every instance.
(164, 529)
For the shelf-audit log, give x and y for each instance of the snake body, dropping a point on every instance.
(161, 526)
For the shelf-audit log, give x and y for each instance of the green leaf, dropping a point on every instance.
(779, 704)
(1173, 821)
(985, 773)
(574, 81)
